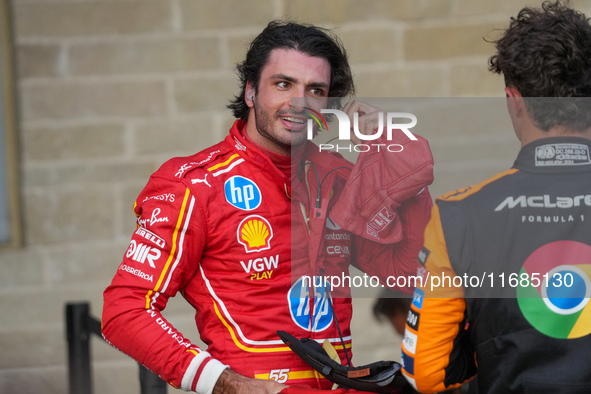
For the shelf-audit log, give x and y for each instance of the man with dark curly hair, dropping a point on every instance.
(525, 231)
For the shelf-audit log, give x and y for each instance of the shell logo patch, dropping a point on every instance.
(559, 305)
(255, 233)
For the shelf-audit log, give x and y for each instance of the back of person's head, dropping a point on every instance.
(308, 39)
(546, 52)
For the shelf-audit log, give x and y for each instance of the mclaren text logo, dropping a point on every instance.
(545, 201)
(345, 131)
(255, 233)
(262, 268)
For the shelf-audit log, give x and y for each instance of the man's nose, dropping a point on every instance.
(298, 99)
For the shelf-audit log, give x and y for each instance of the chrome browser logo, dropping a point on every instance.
(559, 305)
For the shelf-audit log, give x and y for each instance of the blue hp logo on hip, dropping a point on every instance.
(242, 193)
(310, 314)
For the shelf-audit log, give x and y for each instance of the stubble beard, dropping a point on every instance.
(266, 122)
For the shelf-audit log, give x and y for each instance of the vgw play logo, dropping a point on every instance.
(345, 130)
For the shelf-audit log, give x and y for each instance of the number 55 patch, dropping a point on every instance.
(283, 375)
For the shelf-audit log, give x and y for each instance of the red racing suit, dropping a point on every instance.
(234, 235)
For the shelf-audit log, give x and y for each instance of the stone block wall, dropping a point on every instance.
(109, 89)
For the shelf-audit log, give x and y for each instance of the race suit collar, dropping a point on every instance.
(555, 155)
(251, 151)
(282, 162)
(309, 153)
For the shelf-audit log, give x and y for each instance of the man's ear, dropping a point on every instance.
(249, 93)
(515, 101)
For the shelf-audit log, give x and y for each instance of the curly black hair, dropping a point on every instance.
(547, 53)
(311, 40)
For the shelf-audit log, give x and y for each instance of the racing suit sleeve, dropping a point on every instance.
(162, 257)
(386, 204)
(396, 263)
(436, 350)
(379, 183)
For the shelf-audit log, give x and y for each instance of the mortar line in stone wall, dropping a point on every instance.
(58, 289)
(139, 37)
(491, 165)
(46, 277)
(388, 66)
(399, 47)
(34, 329)
(169, 97)
(225, 53)
(118, 207)
(31, 369)
(499, 20)
(176, 15)
(70, 162)
(57, 123)
(80, 244)
(474, 140)
(67, 187)
(103, 364)
(126, 78)
(368, 25)
(279, 11)
(128, 145)
(455, 7)
(101, 120)
(446, 80)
